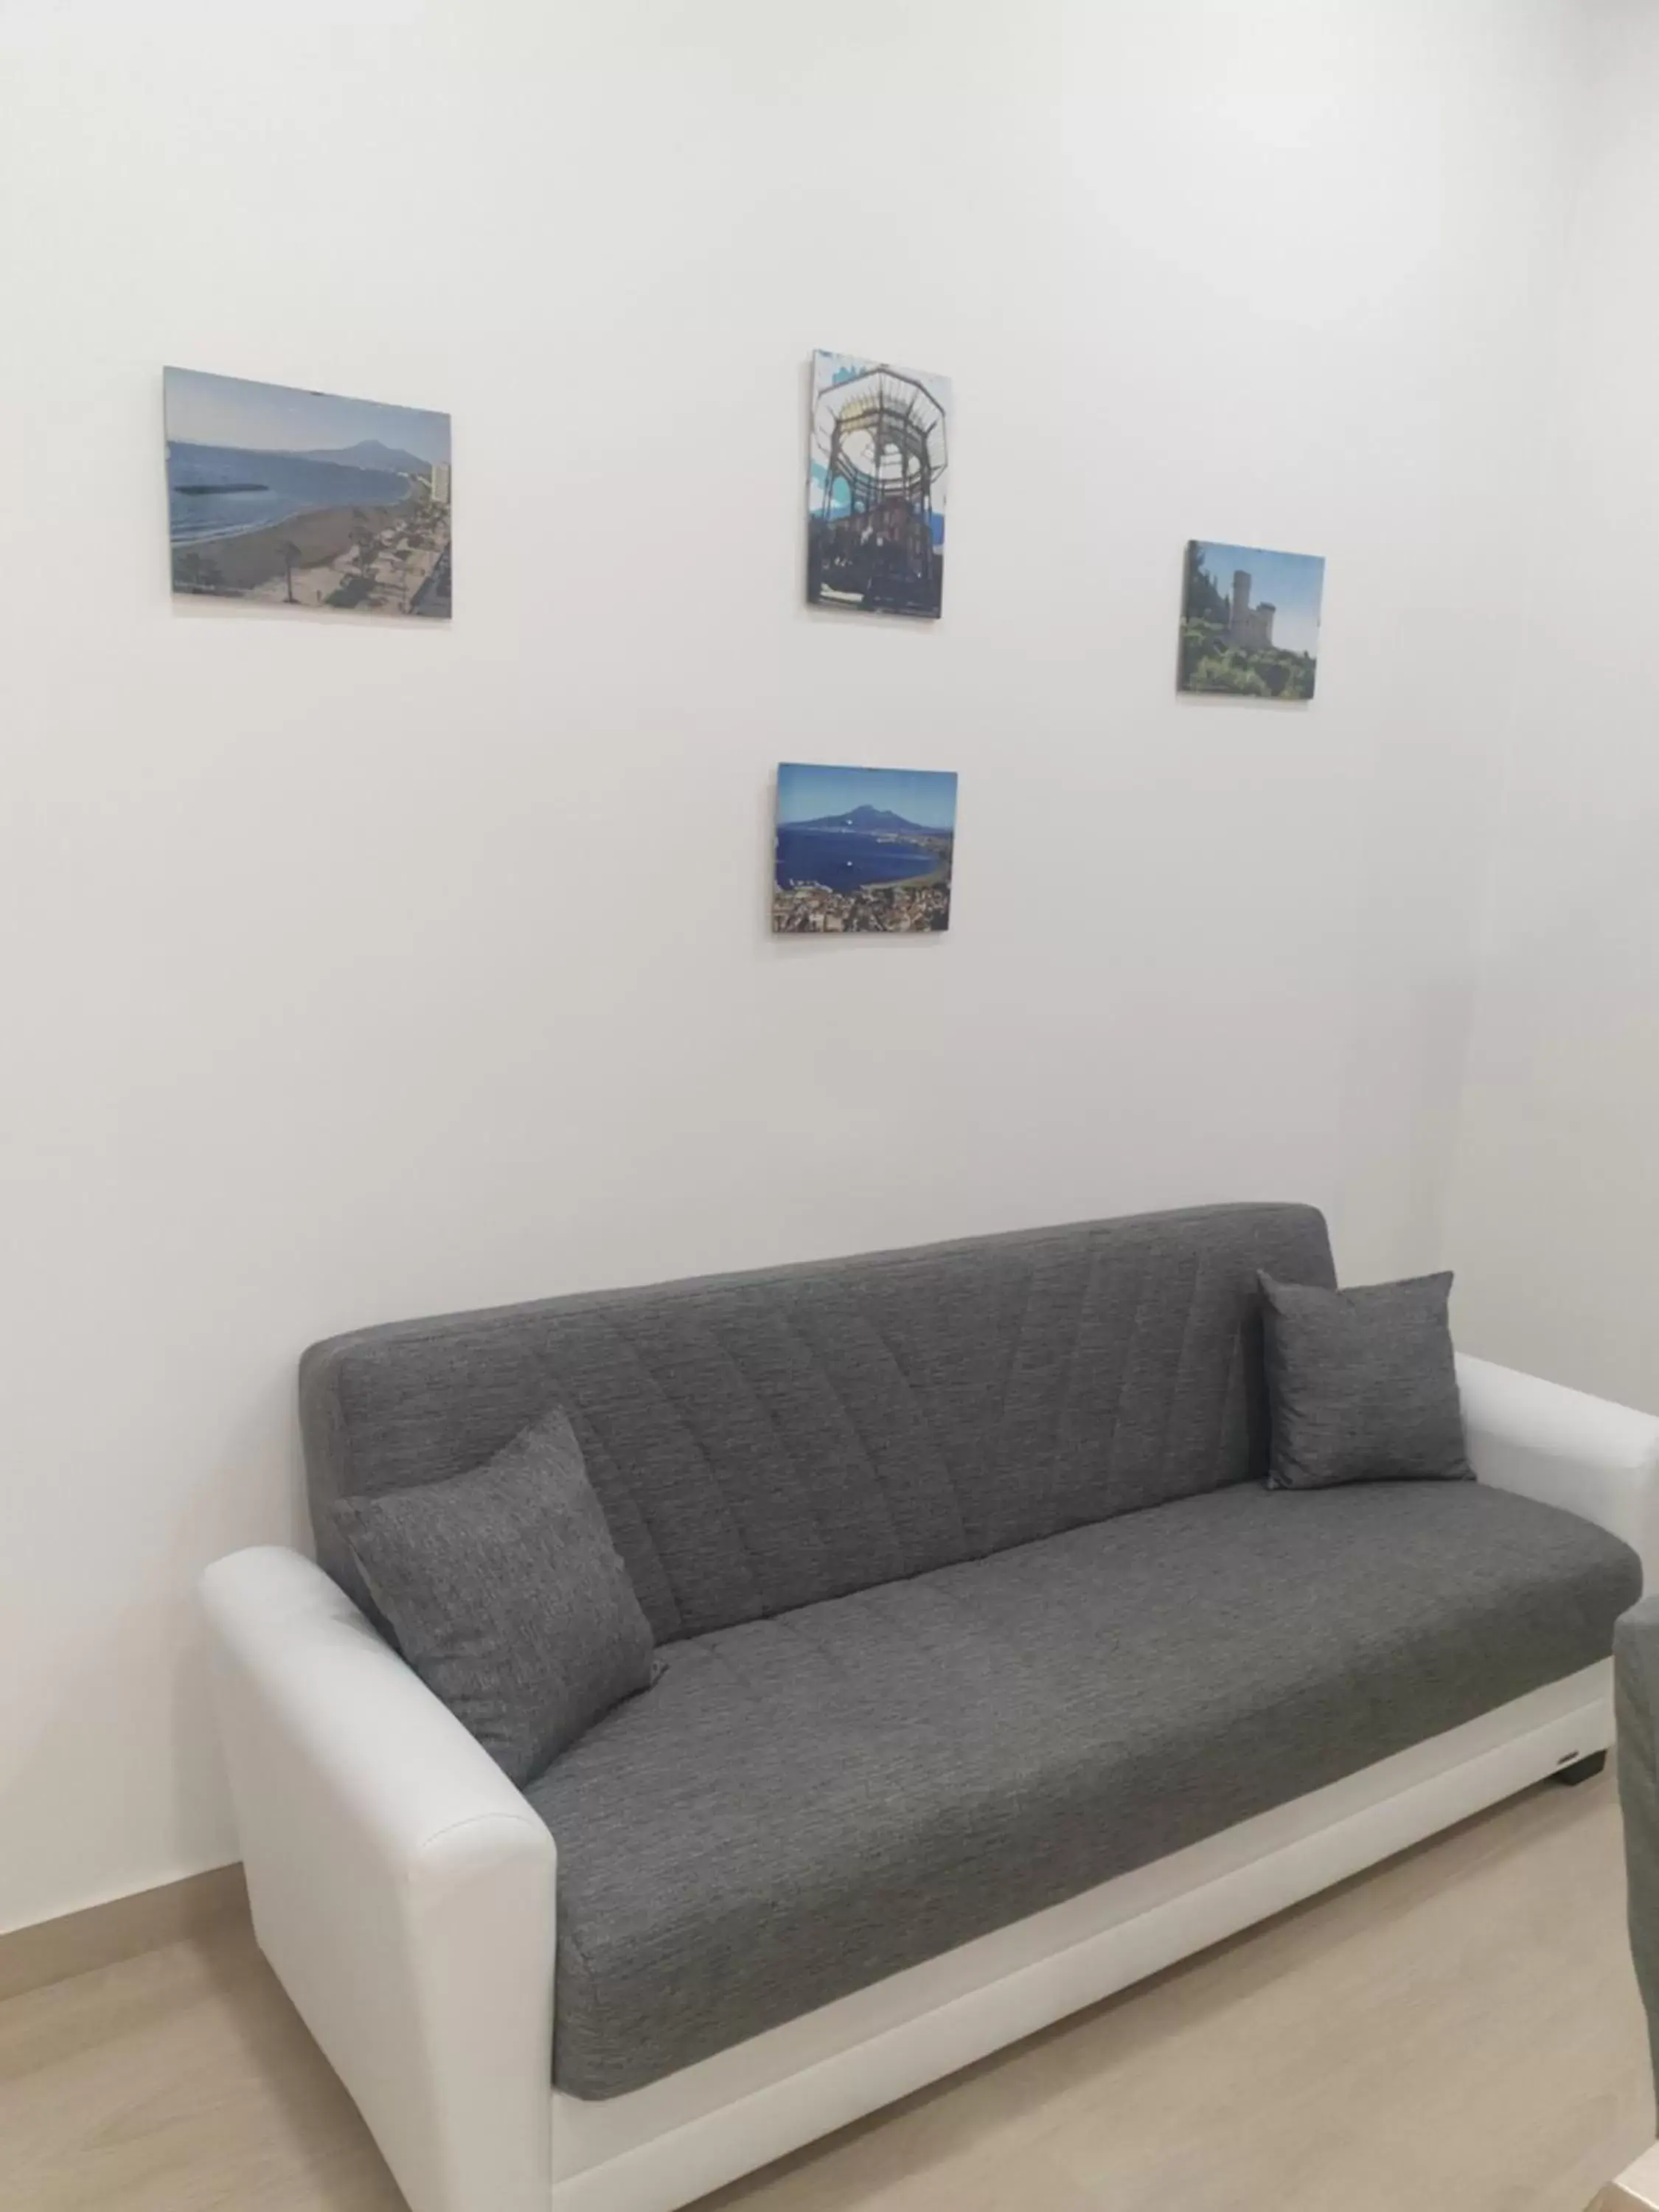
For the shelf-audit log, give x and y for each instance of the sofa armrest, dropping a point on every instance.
(1565, 1448)
(1636, 1694)
(401, 1886)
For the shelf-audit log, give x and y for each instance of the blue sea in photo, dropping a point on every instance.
(223, 491)
(845, 859)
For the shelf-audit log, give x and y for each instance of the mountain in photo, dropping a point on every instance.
(370, 453)
(881, 818)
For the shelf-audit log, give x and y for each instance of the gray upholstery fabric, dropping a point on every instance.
(1636, 1671)
(762, 1442)
(1362, 1384)
(802, 1805)
(505, 1595)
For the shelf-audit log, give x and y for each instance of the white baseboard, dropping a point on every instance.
(102, 1934)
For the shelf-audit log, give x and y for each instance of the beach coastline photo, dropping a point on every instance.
(305, 499)
(862, 849)
(1249, 621)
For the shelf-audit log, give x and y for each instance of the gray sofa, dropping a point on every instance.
(968, 1595)
(1636, 1656)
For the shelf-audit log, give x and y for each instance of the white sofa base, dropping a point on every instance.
(663, 2145)
(1640, 2184)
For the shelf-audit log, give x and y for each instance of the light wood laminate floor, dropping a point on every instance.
(1455, 2032)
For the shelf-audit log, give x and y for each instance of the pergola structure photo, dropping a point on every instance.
(876, 516)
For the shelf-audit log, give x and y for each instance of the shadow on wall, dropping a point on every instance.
(1557, 1176)
(241, 1498)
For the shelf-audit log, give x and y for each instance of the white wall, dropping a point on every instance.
(358, 970)
(1555, 1223)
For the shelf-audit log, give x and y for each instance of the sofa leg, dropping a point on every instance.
(1582, 1770)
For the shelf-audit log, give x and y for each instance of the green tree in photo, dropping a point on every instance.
(195, 571)
(1199, 641)
(366, 539)
(1205, 600)
(1230, 672)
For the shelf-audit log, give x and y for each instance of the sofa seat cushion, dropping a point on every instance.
(802, 1805)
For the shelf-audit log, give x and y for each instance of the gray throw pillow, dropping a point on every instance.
(507, 1595)
(1361, 1384)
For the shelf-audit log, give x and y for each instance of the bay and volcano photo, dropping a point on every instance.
(862, 849)
(305, 499)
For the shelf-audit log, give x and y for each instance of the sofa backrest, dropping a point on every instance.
(762, 1441)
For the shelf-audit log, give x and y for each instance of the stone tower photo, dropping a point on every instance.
(1249, 628)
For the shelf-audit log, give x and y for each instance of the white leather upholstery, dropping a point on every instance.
(1640, 2182)
(1564, 1448)
(401, 1886)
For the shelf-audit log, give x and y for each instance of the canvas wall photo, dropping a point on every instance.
(862, 849)
(879, 451)
(1249, 621)
(303, 499)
